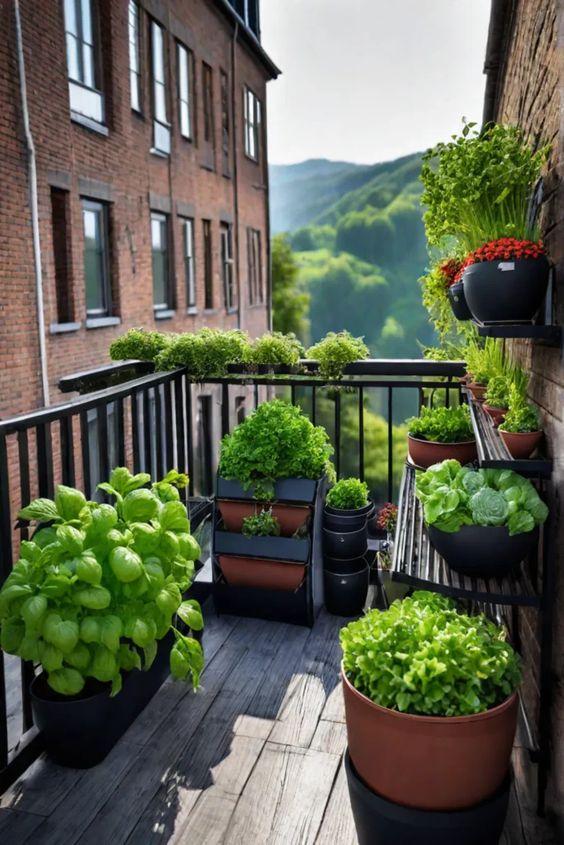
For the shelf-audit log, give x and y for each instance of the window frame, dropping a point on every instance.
(228, 266)
(163, 219)
(189, 101)
(102, 209)
(225, 122)
(161, 123)
(207, 98)
(134, 43)
(85, 96)
(251, 124)
(189, 258)
(254, 265)
(207, 233)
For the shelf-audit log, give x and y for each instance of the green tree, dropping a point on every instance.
(290, 302)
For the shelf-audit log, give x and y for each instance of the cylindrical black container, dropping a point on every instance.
(381, 822)
(345, 593)
(345, 544)
(343, 565)
(482, 551)
(506, 291)
(458, 302)
(337, 519)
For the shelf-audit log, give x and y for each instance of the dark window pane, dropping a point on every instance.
(96, 258)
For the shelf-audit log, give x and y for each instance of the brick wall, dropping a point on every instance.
(121, 167)
(531, 94)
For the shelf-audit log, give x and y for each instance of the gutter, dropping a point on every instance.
(34, 208)
(499, 35)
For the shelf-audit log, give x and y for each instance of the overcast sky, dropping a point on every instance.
(370, 80)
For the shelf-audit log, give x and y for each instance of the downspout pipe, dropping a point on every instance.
(34, 208)
(240, 307)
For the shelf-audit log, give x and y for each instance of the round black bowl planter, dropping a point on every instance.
(482, 551)
(345, 593)
(381, 822)
(337, 519)
(458, 303)
(506, 291)
(345, 544)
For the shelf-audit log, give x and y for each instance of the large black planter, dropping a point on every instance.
(381, 822)
(79, 731)
(458, 303)
(482, 551)
(345, 544)
(336, 519)
(343, 565)
(506, 291)
(345, 593)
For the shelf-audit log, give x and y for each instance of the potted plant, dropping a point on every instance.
(483, 362)
(275, 352)
(520, 430)
(441, 433)
(431, 711)
(345, 519)
(497, 398)
(451, 272)
(93, 599)
(335, 352)
(482, 522)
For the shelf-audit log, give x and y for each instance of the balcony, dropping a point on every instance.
(256, 754)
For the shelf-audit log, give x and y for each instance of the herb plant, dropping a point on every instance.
(497, 394)
(453, 496)
(140, 345)
(485, 362)
(435, 285)
(275, 441)
(99, 585)
(521, 417)
(262, 524)
(348, 494)
(206, 353)
(422, 656)
(277, 348)
(335, 351)
(442, 425)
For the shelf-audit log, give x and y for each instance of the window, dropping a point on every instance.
(134, 57)
(62, 252)
(85, 98)
(208, 268)
(185, 72)
(254, 261)
(248, 10)
(161, 126)
(225, 123)
(96, 258)
(188, 227)
(227, 265)
(252, 124)
(207, 81)
(162, 298)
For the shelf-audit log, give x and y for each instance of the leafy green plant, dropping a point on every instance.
(453, 496)
(435, 299)
(262, 524)
(485, 361)
(422, 656)
(276, 348)
(99, 585)
(497, 394)
(442, 425)
(335, 351)
(478, 186)
(275, 441)
(140, 345)
(206, 353)
(521, 417)
(348, 494)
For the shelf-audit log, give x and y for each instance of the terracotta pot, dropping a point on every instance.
(521, 444)
(425, 453)
(497, 414)
(478, 390)
(265, 574)
(429, 762)
(290, 517)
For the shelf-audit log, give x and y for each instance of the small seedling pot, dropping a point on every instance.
(520, 444)
(425, 453)
(506, 291)
(458, 302)
(478, 390)
(345, 592)
(482, 551)
(497, 414)
(345, 544)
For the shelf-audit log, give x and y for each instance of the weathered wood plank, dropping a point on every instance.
(210, 819)
(285, 797)
(338, 823)
(41, 788)
(330, 737)
(16, 827)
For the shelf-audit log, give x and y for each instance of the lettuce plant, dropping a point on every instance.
(348, 494)
(99, 585)
(422, 656)
(442, 425)
(453, 496)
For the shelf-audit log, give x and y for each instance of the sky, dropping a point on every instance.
(371, 80)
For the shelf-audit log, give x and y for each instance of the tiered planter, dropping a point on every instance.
(346, 571)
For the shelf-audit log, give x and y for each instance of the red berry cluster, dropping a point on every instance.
(504, 249)
(387, 517)
(450, 270)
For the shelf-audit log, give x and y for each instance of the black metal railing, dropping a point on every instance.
(161, 420)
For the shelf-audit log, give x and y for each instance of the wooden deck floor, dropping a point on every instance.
(253, 758)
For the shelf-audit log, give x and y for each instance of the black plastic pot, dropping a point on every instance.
(458, 303)
(482, 551)
(343, 565)
(506, 291)
(345, 544)
(381, 822)
(337, 519)
(345, 593)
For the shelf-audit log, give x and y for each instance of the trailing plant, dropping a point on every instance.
(442, 425)
(206, 353)
(423, 656)
(521, 417)
(453, 496)
(277, 348)
(478, 186)
(387, 519)
(99, 585)
(262, 524)
(275, 441)
(435, 285)
(140, 345)
(336, 351)
(348, 494)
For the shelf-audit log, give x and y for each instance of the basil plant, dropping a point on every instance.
(99, 585)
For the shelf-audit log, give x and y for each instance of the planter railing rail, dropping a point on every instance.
(154, 421)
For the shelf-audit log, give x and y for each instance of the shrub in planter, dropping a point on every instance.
(430, 703)
(139, 344)
(481, 521)
(520, 429)
(206, 353)
(335, 352)
(275, 348)
(441, 433)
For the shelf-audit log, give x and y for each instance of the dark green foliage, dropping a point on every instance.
(206, 353)
(335, 351)
(442, 425)
(262, 524)
(289, 299)
(348, 494)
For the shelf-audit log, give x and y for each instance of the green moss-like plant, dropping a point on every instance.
(335, 352)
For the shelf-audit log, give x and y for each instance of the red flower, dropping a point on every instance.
(504, 249)
(450, 270)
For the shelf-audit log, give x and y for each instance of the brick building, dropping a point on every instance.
(148, 123)
(525, 87)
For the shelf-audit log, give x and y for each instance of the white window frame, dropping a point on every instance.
(252, 121)
(189, 263)
(85, 97)
(161, 125)
(134, 27)
(185, 70)
(227, 266)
